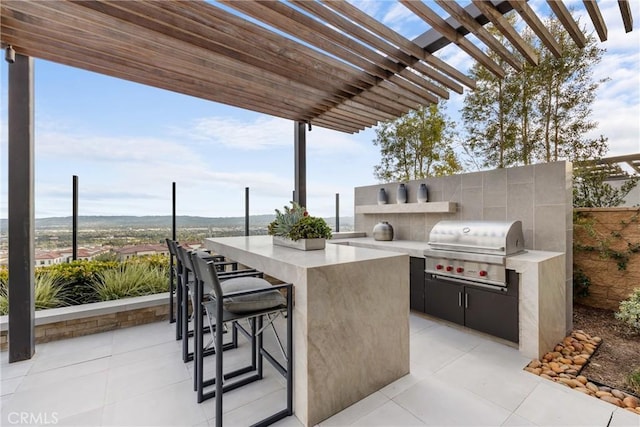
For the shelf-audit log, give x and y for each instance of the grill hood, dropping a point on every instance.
(481, 237)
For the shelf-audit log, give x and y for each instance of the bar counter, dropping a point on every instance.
(351, 318)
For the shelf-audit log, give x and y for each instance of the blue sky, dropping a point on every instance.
(128, 142)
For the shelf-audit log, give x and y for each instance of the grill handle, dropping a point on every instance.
(460, 245)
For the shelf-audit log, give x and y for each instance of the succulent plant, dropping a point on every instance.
(295, 224)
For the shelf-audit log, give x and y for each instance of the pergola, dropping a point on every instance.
(322, 63)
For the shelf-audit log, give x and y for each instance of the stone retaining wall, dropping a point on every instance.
(619, 230)
(75, 321)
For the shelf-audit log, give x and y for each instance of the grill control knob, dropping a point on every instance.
(449, 268)
(459, 270)
(482, 273)
(439, 267)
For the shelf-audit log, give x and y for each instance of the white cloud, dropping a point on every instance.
(263, 133)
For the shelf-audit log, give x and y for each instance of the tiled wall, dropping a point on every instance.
(539, 195)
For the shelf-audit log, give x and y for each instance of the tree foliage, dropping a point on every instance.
(590, 190)
(416, 145)
(540, 114)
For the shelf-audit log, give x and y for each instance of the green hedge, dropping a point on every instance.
(82, 282)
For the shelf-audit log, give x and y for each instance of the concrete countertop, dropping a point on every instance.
(410, 247)
(416, 249)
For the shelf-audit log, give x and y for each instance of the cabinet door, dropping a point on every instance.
(444, 300)
(416, 280)
(491, 312)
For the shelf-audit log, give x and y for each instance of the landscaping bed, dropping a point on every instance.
(598, 358)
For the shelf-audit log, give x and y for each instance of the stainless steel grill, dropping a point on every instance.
(473, 251)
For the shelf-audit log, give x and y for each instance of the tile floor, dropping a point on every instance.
(135, 377)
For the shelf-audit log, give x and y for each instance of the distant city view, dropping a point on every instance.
(121, 237)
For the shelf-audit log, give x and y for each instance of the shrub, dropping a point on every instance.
(49, 292)
(79, 276)
(629, 311)
(634, 381)
(159, 261)
(129, 280)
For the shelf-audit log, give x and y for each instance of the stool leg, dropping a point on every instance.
(179, 308)
(219, 370)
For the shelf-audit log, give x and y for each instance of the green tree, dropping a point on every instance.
(540, 114)
(416, 145)
(590, 189)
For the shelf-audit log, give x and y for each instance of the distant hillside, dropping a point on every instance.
(185, 221)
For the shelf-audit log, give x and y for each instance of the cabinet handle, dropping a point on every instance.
(466, 300)
(459, 299)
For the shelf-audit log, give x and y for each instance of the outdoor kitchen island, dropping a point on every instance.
(351, 318)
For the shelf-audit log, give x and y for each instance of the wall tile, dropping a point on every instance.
(550, 183)
(550, 228)
(520, 175)
(520, 204)
(471, 204)
(472, 180)
(451, 188)
(494, 213)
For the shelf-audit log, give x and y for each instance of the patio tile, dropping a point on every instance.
(56, 376)
(487, 376)
(389, 414)
(10, 385)
(516, 421)
(430, 353)
(64, 399)
(243, 396)
(623, 418)
(69, 358)
(255, 411)
(147, 375)
(438, 403)
(419, 323)
(16, 369)
(554, 404)
(143, 336)
(172, 405)
(147, 353)
(76, 345)
(356, 411)
(85, 419)
(136, 377)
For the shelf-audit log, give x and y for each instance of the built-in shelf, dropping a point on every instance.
(399, 208)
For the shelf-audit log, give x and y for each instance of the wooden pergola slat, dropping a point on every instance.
(508, 31)
(323, 62)
(537, 26)
(432, 18)
(407, 45)
(596, 17)
(480, 32)
(625, 11)
(567, 21)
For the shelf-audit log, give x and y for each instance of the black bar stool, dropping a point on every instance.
(232, 300)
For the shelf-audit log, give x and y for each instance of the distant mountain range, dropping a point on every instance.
(183, 221)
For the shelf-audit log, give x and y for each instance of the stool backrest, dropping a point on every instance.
(173, 250)
(205, 272)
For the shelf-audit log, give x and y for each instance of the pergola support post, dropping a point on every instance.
(21, 210)
(300, 153)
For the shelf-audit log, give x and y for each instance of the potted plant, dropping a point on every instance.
(295, 228)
